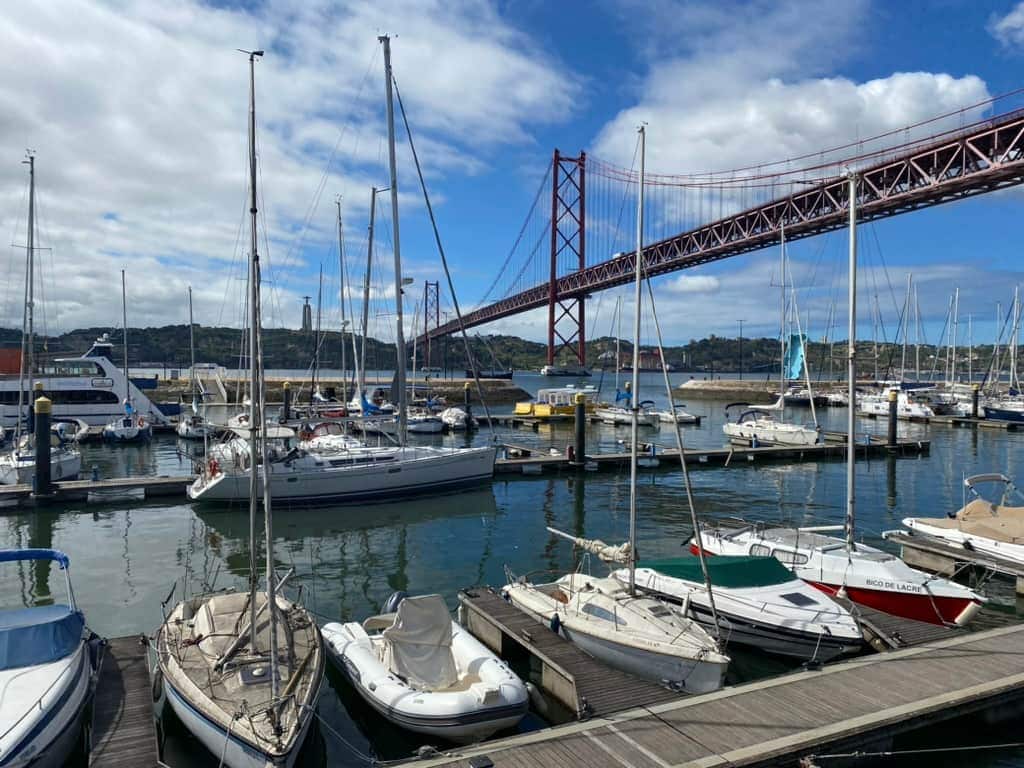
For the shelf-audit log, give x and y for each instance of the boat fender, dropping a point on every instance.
(158, 684)
(556, 623)
(214, 467)
(391, 604)
(142, 423)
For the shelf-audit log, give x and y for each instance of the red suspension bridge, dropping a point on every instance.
(549, 264)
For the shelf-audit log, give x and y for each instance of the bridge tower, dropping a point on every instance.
(431, 315)
(567, 316)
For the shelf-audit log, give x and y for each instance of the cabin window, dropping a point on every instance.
(789, 557)
(600, 613)
(759, 550)
(659, 611)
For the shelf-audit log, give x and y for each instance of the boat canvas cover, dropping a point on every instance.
(40, 635)
(982, 518)
(418, 645)
(735, 572)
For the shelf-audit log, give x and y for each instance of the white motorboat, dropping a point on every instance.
(423, 423)
(339, 474)
(992, 527)
(455, 419)
(623, 417)
(909, 404)
(194, 427)
(422, 671)
(574, 371)
(130, 428)
(243, 671)
(864, 574)
(639, 635)
(757, 426)
(1006, 408)
(69, 430)
(47, 674)
(18, 465)
(676, 415)
(759, 603)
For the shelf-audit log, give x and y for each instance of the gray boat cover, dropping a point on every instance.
(418, 646)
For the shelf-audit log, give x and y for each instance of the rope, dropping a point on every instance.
(922, 751)
(227, 740)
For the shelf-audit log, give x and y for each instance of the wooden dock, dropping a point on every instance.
(936, 556)
(885, 632)
(97, 490)
(845, 706)
(123, 722)
(581, 684)
(971, 422)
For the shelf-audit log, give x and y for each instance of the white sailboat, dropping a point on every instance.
(18, 463)
(243, 671)
(611, 622)
(757, 424)
(841, 567)
(133, 427)
(193, 426)
(366, 473)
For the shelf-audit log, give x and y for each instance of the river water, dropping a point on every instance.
(126, 554)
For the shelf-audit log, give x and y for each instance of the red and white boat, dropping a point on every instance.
(864, 574)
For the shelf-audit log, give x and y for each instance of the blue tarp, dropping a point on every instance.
(30, 636)
(13, 555)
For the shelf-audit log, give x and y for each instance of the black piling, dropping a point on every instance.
(580, 457)
(974, 401)
(892, 417)
(286, 411)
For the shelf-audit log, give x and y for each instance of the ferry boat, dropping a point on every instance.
(90, 387)
(558, 401)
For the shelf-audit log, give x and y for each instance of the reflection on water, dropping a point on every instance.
(126, 556)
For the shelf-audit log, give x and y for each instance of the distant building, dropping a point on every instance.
(307, 315)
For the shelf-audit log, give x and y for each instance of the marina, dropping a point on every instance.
(644, 541)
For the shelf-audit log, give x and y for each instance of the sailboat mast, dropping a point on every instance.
(956, 323)
(634, 402)
(191, 344)
(403, 417)
(30, 304)
(341, 292)
(366, 290)
(124, 321)
(851, 372)
(1013, 337)
(254, 411)
(316, 335)
(618, 341)
(782, 320)
(874, 333)
(906, 328)
(917, 336)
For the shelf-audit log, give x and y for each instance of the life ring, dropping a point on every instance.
(214, 466)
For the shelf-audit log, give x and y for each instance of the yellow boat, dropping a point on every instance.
(559, 401)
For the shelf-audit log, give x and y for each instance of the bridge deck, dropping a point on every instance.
(777, 721)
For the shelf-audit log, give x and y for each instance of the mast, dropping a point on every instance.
(316, 335)
(366, 290)
(782, 322)
(851, 372)
(906, 327)
(1013, 337)
(970, 349)
(618, 337)
(917, 335)
(27, 367)
(341, 291)
(634, 402)
(403, 417)
(874, 332)
(191, 346)
(124, 320)
(956, 322)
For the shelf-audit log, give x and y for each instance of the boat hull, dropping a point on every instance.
(760, 435)
(919, 607)
(970, 541)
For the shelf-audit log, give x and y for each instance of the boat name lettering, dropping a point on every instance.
(105, 383)
(896, 586)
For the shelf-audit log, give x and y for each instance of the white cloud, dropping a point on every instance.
(1009, 29)
(693, 284)
(138, 114)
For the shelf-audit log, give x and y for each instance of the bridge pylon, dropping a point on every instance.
(567, 316)
(431, 316)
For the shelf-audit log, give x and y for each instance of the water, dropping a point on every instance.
(127, 555)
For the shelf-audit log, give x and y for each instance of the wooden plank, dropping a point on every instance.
(123, 724)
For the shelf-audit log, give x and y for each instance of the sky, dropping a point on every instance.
(137, 115)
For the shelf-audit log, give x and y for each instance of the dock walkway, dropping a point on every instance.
(584, 686)
(123, 724)
(842, 707)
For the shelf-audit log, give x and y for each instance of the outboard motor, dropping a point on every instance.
(391, 604)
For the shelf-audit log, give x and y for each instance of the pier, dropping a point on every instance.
(845, 706)
(123, 729)
(937, 556)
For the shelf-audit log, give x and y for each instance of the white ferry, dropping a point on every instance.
(90, 388)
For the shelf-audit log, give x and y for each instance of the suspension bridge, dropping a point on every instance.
(580, 244)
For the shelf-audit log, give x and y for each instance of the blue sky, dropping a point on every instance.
(137, 113)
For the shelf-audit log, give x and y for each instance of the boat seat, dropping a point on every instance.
(380, 622)
(418, 644)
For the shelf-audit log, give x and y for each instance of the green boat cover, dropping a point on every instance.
(733, 571)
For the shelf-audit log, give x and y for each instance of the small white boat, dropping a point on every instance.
(194, 427)
(130, 428)
(994, 528)
(18, 465)
(757, 426)
(455, 418)
(677, 415)
(47, 674)
(759, 602)
(423, 672)
(69, 430)
(638, 635)
(910, 404)
(623, 417)
(423, 423)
